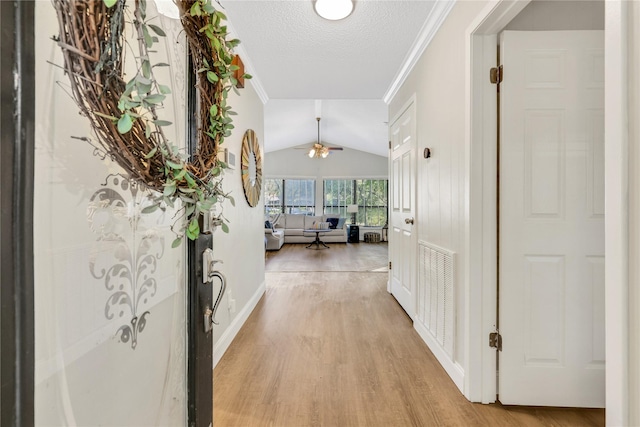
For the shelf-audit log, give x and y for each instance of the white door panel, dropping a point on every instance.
(551, 219)
(403, 238)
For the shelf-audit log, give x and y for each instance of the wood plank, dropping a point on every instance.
(335, 349)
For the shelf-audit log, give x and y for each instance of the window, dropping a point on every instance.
(289, 196)
(369, 194)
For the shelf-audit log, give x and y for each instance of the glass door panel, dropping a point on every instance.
(110, 292)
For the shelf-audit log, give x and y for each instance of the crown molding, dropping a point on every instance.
(431, 26)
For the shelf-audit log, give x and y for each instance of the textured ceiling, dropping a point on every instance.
(299, 55)
(351, 64)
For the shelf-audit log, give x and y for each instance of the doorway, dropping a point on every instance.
(481, 156)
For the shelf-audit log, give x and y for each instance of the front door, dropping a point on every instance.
(402, 246)
(551, 298)
(110, 291)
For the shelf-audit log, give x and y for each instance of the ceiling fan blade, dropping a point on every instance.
(335, 148)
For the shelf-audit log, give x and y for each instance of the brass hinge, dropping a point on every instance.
(496, 75)
(389, 145)
(495, 340)
(389, 265)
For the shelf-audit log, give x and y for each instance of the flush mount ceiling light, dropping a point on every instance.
(334, 10)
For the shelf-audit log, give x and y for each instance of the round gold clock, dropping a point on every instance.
(251, 168)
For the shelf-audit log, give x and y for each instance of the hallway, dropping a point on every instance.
(335, 349)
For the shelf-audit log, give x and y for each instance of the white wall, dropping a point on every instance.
(294, 163)
(541, 15)
(242, 249)
(438, 81)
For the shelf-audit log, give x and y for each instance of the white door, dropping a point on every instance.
(551, 297)
(402, 238)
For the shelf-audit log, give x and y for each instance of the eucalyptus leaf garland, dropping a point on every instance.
(123, 114)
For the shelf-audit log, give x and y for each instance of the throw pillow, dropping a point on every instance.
(267, 224)
(333, 222)
(341, 222)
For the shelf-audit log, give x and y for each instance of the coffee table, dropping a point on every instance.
(317, 241)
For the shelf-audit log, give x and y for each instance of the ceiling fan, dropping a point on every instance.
(320, 150)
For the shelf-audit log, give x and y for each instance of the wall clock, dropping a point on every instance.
(251, 168)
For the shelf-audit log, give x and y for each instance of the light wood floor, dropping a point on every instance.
(335, 349)
(339, 257)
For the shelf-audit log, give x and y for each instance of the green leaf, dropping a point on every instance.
(148, 41)
(125, 123)
(160, 64)
(232, 200)
(221, 15)
(195, 9)
(208, 7)
(225, 227)
(180, 175)
(216, 43)
(155, 98)
(169, 190)
(146, 69)
(159, 31)
(190, 181)
(194, 227)
(173, 165)
(110, 3)
(150, 209)
(234, 67)
(162, 122)
(152, 152)
(147, 132)
(164, 89)
(143, 88)
(176, 242)
(247, 76)
(212, 77)
(213, 111)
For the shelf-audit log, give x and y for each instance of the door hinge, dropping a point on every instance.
(389, 265)
(389, 145)
(496, 75)
(495, 341)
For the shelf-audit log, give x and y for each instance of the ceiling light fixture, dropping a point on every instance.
(334, 10)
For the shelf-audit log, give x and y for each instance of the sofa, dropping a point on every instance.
(289, 229)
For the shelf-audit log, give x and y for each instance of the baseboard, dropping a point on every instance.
(227, 337)
(453, 369)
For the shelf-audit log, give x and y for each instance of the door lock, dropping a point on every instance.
(408, 221)
(208, 319)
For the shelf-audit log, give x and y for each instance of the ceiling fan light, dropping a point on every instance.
(312, 153)
(325, 153)
(334, 10)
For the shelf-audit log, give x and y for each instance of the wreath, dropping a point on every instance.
(123, 114)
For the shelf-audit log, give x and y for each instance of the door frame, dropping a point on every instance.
(17, 141)
(480, 269)
(481, 169)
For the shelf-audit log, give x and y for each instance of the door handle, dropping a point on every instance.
(408, 221)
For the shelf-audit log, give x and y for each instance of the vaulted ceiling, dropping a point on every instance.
(351, 65)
